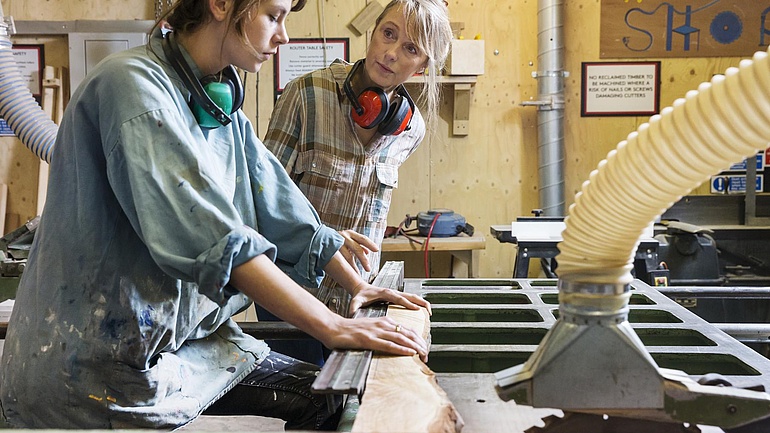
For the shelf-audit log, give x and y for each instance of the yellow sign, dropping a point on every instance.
(684, 28)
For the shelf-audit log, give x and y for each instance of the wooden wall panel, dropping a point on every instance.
(18, 166)
(65, 10)
(489, 176)
(19, 170)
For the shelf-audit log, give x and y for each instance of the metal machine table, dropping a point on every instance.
(482, 326)
(646, 257)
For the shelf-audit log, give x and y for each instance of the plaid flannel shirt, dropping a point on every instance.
(350, 183)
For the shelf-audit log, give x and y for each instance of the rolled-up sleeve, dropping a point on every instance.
(212, 268)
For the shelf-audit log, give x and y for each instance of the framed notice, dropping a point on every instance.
(30, 60)
(620, 89)
(301, 56)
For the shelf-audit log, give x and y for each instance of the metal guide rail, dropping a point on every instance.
(482, 326)
(345, 371)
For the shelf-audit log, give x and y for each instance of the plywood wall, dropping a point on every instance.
(490, 175)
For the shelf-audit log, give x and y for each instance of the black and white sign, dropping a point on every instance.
(301, 56)
(620, 89)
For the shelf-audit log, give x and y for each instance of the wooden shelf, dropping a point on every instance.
(462, 247)
(445, 79)
(462, 98)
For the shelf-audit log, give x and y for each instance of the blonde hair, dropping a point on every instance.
(428, 26)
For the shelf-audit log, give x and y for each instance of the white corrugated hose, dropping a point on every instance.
(723, 122)
(17, 106)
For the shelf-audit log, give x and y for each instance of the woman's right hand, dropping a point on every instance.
(357, 246)
(381, 334)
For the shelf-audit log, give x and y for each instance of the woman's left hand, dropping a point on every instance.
(366, 293)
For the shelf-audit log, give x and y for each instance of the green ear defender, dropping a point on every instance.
(214, 97)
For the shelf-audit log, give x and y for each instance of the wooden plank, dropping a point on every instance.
(49, 91)
(462, 109)
(42, 186)
(367, 17)
(345, 371)
(52, 97)
(402, 394)
(43, 10)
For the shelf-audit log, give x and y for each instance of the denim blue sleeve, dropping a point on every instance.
(169, 184)
(287, 219)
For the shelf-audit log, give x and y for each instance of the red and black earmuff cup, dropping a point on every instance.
(398, 118)
(374, 107)
(371, 108)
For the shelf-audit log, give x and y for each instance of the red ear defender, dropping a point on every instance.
(399, 114)
(372, 109)
(404, 124)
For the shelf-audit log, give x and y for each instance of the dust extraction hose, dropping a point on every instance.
(17, 106)
(723, 122)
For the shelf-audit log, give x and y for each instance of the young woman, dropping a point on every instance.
(342, 132)
(165, 217)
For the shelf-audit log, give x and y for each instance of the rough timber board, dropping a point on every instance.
(402, 394)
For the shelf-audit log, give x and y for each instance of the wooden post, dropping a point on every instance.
(3, 204)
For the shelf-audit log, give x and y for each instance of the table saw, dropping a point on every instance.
(482, 327)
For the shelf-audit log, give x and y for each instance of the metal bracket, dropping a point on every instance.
(687, 302)
(10, 26)
(345, 371)
(553, 103)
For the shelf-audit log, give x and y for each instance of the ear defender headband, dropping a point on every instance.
(371, 108)
(214, 97)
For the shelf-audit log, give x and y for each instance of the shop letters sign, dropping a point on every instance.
(683, 28)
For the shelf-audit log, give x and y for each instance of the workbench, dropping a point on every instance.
(482, 326)
(462, 247)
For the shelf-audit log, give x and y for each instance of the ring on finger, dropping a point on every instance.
(398, 328)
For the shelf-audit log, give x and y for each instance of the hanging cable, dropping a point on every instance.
(322, 8)
(425, 246)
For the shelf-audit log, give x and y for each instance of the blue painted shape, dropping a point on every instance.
(763, 30)
(726, 27)
(685, 30)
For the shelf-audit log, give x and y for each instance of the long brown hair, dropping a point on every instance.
(186, 16)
